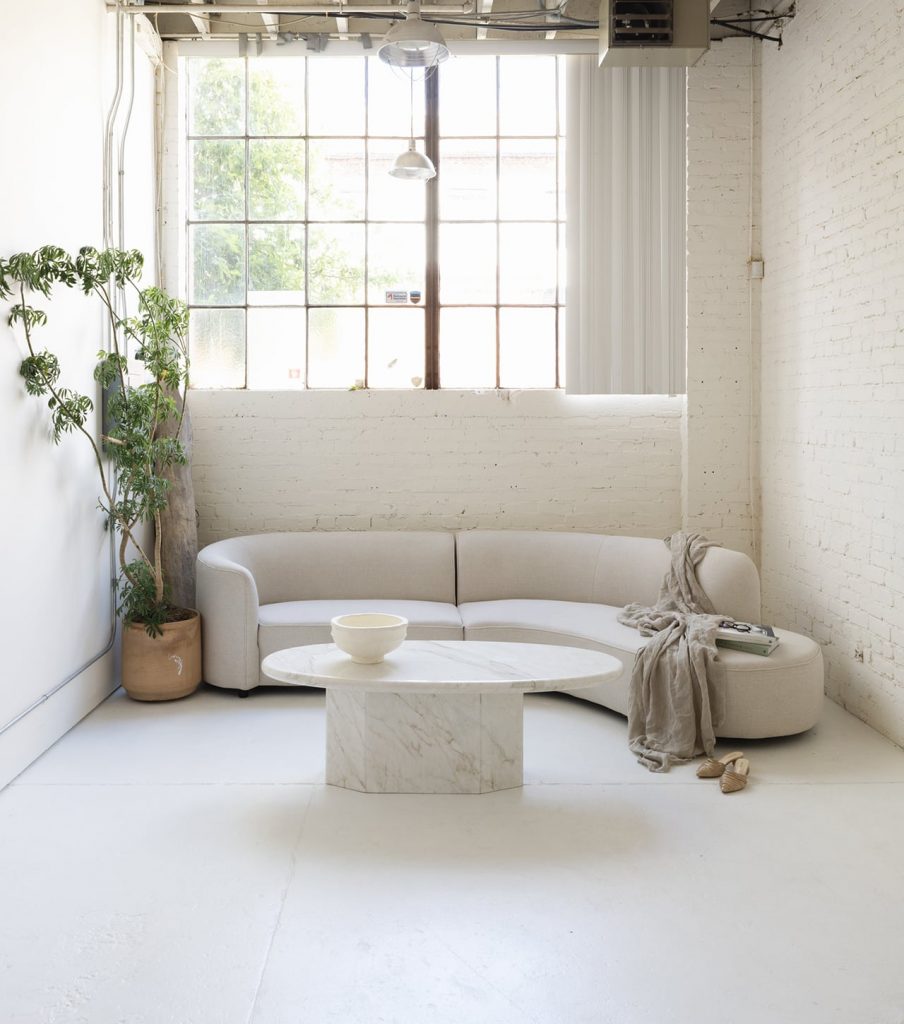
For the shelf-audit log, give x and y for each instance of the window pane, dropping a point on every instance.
(217, 348)
(336, 263)
(527, 348)
(467, 260)
(391, 198)
(336, 96)
(276, 348)
(467, 96)
(563, 327)
(395, 260)
(218, 179)
(337, 180)
(217, 262)
(388, 101)
(563, 95)
(216, 96)
(335, 348)
(276, 96)
(527, 96)
(276, 179)
(527, 263)
(467, 348)
(467, 179)
(276, 264)
(563, 263)
(527, 179)
(562, 179)
(395, 348)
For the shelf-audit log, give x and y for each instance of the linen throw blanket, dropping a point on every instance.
(673, 702)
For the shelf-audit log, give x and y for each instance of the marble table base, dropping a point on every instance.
(424, 742)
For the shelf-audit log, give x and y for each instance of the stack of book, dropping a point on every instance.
(746, 636)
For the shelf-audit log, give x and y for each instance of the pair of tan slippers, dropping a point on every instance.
(732, 771)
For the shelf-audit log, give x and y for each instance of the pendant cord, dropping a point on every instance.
(411, 103)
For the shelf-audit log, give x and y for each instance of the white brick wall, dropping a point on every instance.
(389, 460)
(719, 486)
(833, 345)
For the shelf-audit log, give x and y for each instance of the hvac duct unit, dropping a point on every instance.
(653, 33)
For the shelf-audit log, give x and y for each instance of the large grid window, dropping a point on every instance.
(309, 266)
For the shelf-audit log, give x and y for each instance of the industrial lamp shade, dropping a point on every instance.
(413, 43)
(413, 165)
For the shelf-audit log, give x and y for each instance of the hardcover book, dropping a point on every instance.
(746, 636)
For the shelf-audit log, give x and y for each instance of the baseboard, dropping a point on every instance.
(41, 728)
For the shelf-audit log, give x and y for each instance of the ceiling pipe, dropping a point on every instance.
(328, 10)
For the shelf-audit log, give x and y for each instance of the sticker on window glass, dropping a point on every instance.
(396, 298)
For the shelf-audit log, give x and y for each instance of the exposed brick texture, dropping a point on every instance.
(443, 460)
(833, 346)
(719, 477)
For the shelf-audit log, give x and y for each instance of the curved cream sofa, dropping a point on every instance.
(262, 593)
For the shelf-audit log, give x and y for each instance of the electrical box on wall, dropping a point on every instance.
(653, 33)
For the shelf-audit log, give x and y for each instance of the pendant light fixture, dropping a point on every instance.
(413, 43)
(413, 165)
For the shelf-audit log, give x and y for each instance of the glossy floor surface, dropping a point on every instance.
(185, 863)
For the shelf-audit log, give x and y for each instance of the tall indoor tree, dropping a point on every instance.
(139, 445)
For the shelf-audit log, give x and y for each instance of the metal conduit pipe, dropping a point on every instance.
(108, 135)
(121, 191)
(327, 10)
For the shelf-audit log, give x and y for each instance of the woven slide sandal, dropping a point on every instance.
(733, 780)
(712, 768)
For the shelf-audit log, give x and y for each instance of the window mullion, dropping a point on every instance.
(431, 282)
(247, 209)
(498, 227)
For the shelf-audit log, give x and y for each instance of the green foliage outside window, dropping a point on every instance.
(276, 185)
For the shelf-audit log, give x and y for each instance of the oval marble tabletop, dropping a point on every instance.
(429, 666)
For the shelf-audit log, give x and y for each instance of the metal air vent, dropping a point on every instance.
(653, 33)
(641, 22)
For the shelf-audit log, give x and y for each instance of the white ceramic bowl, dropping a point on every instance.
(368, 636)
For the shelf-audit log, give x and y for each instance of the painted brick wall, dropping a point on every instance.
(719, 470)
(833, 346)
(444, 460)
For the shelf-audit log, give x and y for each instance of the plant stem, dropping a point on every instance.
(62, 405)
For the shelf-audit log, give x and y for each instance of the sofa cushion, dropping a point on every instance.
(495, 565)
(414, 565)
(567, 623)
(764, 696)
(296, 623)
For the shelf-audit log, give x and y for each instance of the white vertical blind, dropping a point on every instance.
(626, 213)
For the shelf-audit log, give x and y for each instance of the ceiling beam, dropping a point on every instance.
(550, 4)
(271, 23)
(483, 7)
(201, 24)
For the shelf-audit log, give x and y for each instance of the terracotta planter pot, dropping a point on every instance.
(162, 667)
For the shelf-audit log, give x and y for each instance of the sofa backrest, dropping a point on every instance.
(419, 566)
(496, 565)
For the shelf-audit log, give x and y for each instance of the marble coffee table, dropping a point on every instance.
(439, 716)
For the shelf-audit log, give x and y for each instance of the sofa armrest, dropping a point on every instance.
(229, 606)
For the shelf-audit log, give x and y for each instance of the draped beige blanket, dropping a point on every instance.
(675, 700)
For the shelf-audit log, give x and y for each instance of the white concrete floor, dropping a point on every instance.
(184, 863)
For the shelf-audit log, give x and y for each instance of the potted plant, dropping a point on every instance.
(161, 655)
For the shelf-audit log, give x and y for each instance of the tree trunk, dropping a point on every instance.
(178, 521)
